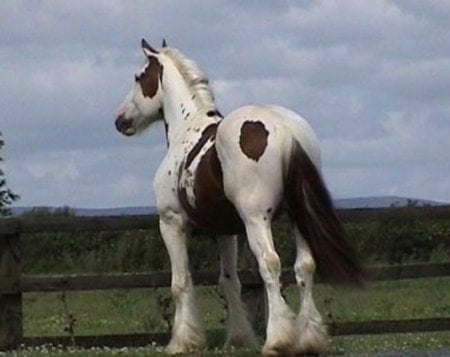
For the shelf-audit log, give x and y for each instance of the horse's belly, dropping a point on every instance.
(204, 200)
(216, 218)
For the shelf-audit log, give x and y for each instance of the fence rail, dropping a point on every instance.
(13, 283)
(249, 278)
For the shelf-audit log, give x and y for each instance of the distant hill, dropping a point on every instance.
(384, 202)
(119, 211)
(90, 212)
(349, 203)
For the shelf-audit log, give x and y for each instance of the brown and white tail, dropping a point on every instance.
(311, 208)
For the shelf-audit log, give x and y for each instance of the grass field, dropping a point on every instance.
(139, 310)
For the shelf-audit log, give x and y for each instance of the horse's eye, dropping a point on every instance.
(136, 78)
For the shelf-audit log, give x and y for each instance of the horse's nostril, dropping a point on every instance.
(123, 123)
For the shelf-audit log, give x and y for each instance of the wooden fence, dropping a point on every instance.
(13, 283)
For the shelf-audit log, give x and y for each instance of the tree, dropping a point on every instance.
(7, 197)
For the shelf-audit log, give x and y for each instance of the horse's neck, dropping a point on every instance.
(182, 109)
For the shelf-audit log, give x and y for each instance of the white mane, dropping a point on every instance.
(195, 79)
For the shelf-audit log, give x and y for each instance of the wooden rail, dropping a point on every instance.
(80, 282)
(13, 283)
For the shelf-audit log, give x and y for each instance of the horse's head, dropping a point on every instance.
(143, 105)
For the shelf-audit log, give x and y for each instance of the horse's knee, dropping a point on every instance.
(176, 290)
(272, 261)
(179, 286)
(305, 265)
(270, 266)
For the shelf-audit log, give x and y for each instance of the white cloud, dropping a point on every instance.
(426, 80)
(59, 172)
(333, 22)
(129, 186)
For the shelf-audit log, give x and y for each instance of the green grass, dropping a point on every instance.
(348, 346)
(137, 310)
(142, 310)
(395, 343)
(418, 298)
(109, 312)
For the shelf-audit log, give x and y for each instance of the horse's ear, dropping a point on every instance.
(148, 50)
(164, 43)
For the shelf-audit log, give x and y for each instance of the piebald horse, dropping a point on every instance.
(234, 174)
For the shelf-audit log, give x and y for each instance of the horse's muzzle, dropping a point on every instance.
(124, 125)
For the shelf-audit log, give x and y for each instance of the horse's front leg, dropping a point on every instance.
(239, 330)
(187, 331)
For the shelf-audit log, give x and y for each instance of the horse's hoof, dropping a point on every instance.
(313, 337)
(243, 340)
(278, 350)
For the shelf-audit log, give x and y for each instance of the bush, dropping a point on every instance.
(397, 241)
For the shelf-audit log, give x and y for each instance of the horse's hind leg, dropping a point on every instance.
(250, 146)
(312, 333)
(281, 332)
(239, 330)
(187, 331)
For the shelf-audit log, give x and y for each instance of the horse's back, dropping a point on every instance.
(281, 125)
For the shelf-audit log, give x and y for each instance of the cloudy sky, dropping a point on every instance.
(372, 78)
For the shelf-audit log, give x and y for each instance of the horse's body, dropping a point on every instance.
(232, 175)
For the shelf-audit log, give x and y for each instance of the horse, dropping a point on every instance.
(231, 175)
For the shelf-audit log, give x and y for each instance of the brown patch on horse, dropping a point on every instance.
(212, 211)
(208, 133)
(253, 139)
(149, 80)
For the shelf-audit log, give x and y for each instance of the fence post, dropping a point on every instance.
(11, 329)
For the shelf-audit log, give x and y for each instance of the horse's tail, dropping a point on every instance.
(310, 207)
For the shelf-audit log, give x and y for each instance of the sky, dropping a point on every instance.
(371, 77)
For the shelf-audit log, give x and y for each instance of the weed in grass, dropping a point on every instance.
(166, 307)
(151, 322)
(327, 303)
(70, 320)
(386, 308)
